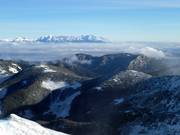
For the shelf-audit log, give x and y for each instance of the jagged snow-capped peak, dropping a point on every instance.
(16, 125)
(82, 38)
(58, 39)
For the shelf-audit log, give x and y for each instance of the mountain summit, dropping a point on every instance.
(58, 39)
(81, 39)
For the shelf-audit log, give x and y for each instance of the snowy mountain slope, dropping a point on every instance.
(97, 103)
(126, 79)
(34, 84)
(155, 66)
(15, 125)
(57, 104)
(132, 110)
(148, 65)
(152, 108)
(158, 94)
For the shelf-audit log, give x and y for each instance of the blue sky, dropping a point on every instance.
(119, 20)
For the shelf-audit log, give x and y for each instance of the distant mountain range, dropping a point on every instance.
(58, 39)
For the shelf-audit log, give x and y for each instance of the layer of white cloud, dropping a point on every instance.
(151, 52)
(147, 51)
(47, 52)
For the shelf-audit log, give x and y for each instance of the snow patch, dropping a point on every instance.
(2, 71)
(17, 66)
(46, 68)
(99, 88)
(75, 85)
(62, 108)
(13, 70)
(118, 101)
(51, 85)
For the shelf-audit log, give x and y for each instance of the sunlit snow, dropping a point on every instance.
(52, 85)
(16, 125)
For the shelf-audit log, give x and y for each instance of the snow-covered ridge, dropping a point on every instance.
(45, 68)
(82, 38)
(16, 125)
(58, 39)
(128, 77)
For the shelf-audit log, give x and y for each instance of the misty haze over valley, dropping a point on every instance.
(49, 50)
